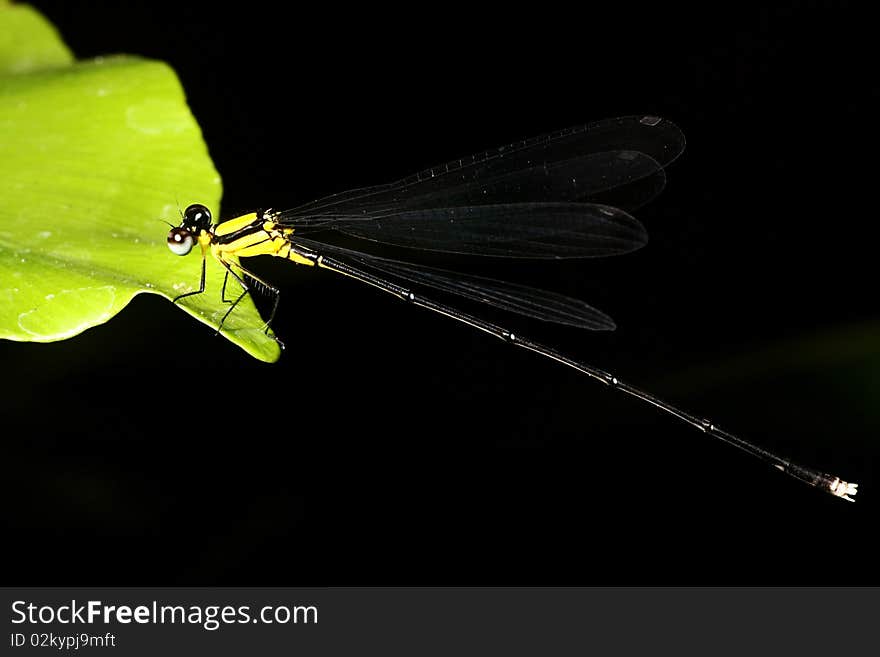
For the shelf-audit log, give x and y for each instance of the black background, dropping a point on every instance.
(390, 445)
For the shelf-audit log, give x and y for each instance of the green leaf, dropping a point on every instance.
(92, 156)
(28, 42)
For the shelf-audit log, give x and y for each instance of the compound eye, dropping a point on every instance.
(180, 241)
(197, 217)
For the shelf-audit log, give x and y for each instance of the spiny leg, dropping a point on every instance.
(223, 290)
(275, 292)
(246, 290)
(244, 287)
(201, 285)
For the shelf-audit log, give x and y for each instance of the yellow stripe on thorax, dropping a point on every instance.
(265, 239)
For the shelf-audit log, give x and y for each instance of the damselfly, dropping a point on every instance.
(567, 194)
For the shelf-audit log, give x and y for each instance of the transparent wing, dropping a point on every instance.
(573, 164)
(521, 230)
(565, 194)
(511, 297)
